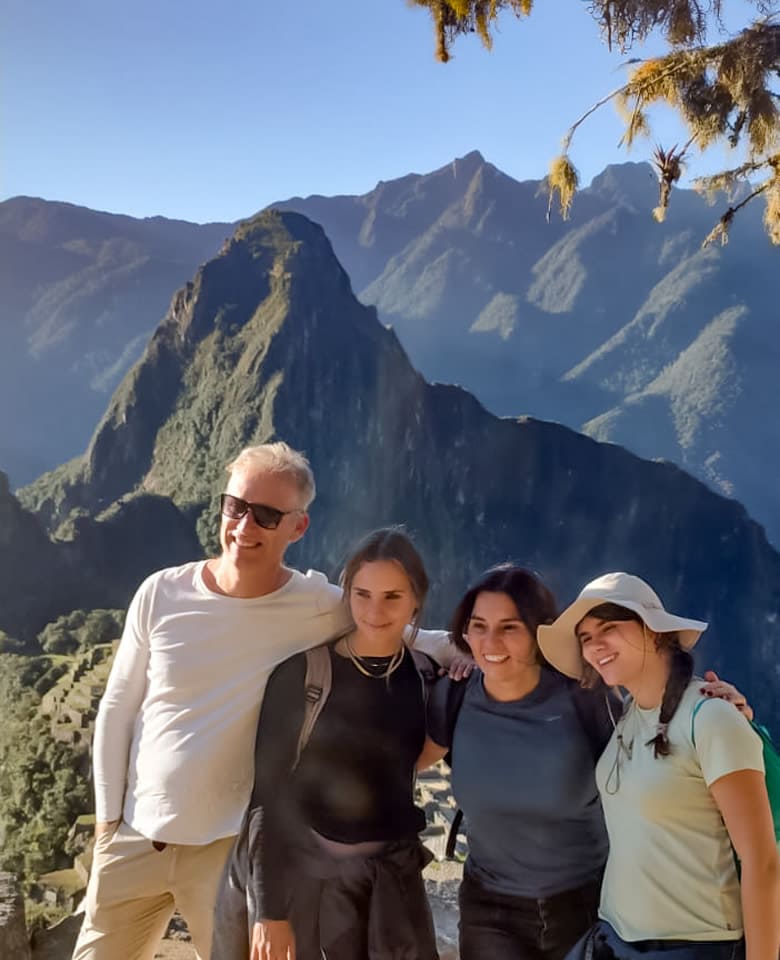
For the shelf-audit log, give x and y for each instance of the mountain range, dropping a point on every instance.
(610, 323)
(82, 292)
(268, 340)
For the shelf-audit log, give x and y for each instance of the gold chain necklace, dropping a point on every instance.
(392, 666)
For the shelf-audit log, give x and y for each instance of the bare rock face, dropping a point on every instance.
(13, 932)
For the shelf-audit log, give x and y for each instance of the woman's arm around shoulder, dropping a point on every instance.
(713, 686)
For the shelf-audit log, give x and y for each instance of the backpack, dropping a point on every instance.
(771, 766)
(318, 681)
(236, 906)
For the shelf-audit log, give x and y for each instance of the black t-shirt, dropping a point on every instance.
(355, 778)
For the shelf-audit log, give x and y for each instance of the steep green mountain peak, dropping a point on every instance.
(208, 379)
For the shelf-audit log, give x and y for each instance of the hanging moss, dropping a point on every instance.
(453, 18)
(723, 91)
(564, 180)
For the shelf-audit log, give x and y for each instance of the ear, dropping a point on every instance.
(301, 526)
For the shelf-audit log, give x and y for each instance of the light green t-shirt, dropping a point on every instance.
(670, 872)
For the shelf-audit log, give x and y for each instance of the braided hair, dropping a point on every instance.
(679, 678)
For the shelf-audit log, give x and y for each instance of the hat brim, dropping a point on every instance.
(560, 646)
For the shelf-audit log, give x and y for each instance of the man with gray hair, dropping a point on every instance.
(173, 751)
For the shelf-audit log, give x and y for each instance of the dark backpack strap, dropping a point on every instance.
(455, 696)
(428, 671)
(597, 712)
(318, 682)
(426, 668)
(319, 678)
(452, 836)
(457, 692)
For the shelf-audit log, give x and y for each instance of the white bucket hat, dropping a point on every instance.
(559, 644)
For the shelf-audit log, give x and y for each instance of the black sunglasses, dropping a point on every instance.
(266, 517)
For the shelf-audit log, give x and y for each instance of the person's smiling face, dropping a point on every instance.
(382, 602)
(245, 543)
(616, 649)
(500, 642)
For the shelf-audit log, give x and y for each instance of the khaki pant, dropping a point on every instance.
(134, 888)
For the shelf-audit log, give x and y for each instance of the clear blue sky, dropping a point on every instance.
(210, 111)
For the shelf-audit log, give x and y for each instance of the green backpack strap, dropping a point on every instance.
(771, 774)
(319, 679)
(771, 766)
(699, 704)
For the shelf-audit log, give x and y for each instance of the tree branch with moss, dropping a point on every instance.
(723, 92)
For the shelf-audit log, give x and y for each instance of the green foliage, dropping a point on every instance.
(562, 179)
(41, 916)
(725, 93)
(50, 676)
(207, 528)
(81, 630)
(454, 17)
(39, 674)
(46, 494)
(43, 783)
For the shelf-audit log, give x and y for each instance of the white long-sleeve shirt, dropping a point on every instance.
(174, 736)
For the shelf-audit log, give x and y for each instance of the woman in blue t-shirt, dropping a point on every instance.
(523, 741)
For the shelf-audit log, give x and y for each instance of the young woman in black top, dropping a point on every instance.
(336, 868)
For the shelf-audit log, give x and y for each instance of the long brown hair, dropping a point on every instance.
(392, 544)
(681, 663)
